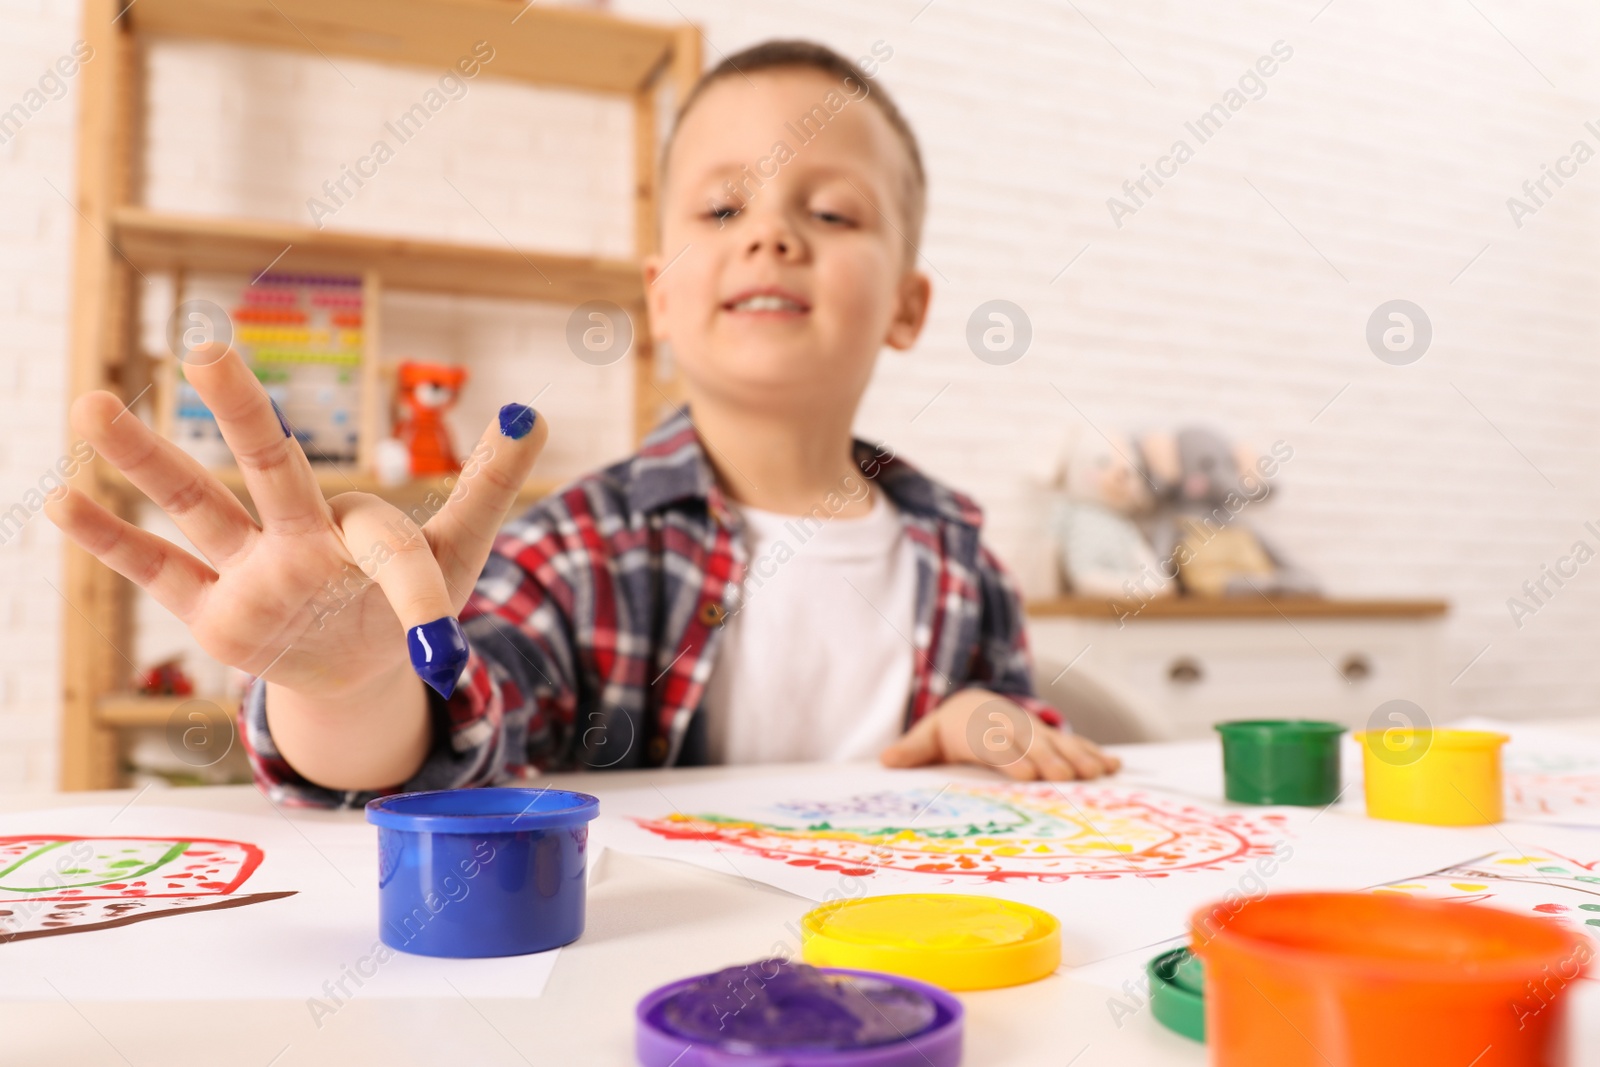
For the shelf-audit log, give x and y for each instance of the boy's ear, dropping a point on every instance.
(655, 296)
(911, 310)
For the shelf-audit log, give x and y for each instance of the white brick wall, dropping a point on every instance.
(1388, 144)
(36, 233)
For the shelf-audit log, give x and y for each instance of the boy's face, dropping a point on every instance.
(783, 268)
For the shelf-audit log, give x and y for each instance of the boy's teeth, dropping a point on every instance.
(766, 303)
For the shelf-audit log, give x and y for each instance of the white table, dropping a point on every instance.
(649, 922)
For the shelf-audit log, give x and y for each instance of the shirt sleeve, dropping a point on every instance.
(1001, 661)
(512, 708)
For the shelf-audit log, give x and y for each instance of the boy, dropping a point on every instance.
(657, 612)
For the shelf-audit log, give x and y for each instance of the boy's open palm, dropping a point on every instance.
(261, 599)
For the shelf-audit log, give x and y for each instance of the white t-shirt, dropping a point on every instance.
(815, 662)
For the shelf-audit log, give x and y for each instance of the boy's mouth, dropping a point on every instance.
(766, 301)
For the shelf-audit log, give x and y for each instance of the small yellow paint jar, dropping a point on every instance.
(955, 941)
(1437, 777)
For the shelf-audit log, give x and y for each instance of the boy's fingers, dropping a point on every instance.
(176, 580)
(275, 470)
(463, 531)
(1080, 754)
(917, 747)
(209, 515)
(1107, 761)
(1050, 763)
(1023, 770)
(391, 550)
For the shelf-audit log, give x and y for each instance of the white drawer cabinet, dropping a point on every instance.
(1178, 667)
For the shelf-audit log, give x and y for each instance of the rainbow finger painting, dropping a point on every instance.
(962, 833)
(1120, 865)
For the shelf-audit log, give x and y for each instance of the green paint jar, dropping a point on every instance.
(1280, 761)
(1178, 992)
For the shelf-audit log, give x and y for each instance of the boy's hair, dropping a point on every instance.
(808, 55)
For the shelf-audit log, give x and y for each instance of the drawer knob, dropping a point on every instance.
(1185, 671)
(1356, 667)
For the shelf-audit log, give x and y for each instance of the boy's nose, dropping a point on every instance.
(774, 235)
(776, 242)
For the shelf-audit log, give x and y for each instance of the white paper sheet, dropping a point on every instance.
(1193, 768)
(1120, 865)
(318, 944)
(1551, 775)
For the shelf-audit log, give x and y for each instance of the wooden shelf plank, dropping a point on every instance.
(544, 45)
(157, 241)
(1252, 607)
(124, 709)
(333, 481)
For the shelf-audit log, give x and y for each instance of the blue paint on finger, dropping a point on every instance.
(283, 422)
(438, 653)
(516, 420)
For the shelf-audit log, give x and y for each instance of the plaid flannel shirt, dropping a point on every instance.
(595, 624)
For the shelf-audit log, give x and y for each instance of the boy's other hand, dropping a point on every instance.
(977, 726)
(317, 595)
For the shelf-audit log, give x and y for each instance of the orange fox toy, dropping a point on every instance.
(426, 391)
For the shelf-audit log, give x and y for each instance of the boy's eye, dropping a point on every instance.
(721, 212)
(833, 218)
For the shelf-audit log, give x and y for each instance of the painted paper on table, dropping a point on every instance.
(1549, 872)
(1551, 775)
(151, 903)
(1120, 866)
(63, 884)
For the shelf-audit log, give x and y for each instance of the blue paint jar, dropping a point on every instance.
(481, 872)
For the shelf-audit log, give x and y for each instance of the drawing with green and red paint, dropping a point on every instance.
(58, 884)
(1546, 882)
(991, 833)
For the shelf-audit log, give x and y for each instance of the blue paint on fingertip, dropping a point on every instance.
(283, 422)
(516, 420)
(438, 653)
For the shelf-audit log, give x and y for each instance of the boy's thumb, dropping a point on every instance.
(917, 747)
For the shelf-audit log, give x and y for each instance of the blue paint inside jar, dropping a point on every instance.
(482, 872)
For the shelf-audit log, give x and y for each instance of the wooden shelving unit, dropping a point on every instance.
(117, 239)
(153, 241)
(134, 709)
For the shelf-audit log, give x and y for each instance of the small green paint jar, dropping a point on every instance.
(1280, 761)
(1178, 992)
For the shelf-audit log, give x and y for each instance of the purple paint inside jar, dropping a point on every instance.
(777, 1006)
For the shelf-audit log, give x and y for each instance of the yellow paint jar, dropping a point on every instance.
(952, 940)
(1438, 777)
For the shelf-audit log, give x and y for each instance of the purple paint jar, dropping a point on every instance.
(774, 1013)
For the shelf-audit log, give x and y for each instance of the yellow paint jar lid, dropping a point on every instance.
(952, 940)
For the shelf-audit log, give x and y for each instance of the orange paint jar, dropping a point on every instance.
(1355, 980)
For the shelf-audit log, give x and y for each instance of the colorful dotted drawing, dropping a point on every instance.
(988, 833)
(1544, 882)
(57, 884)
